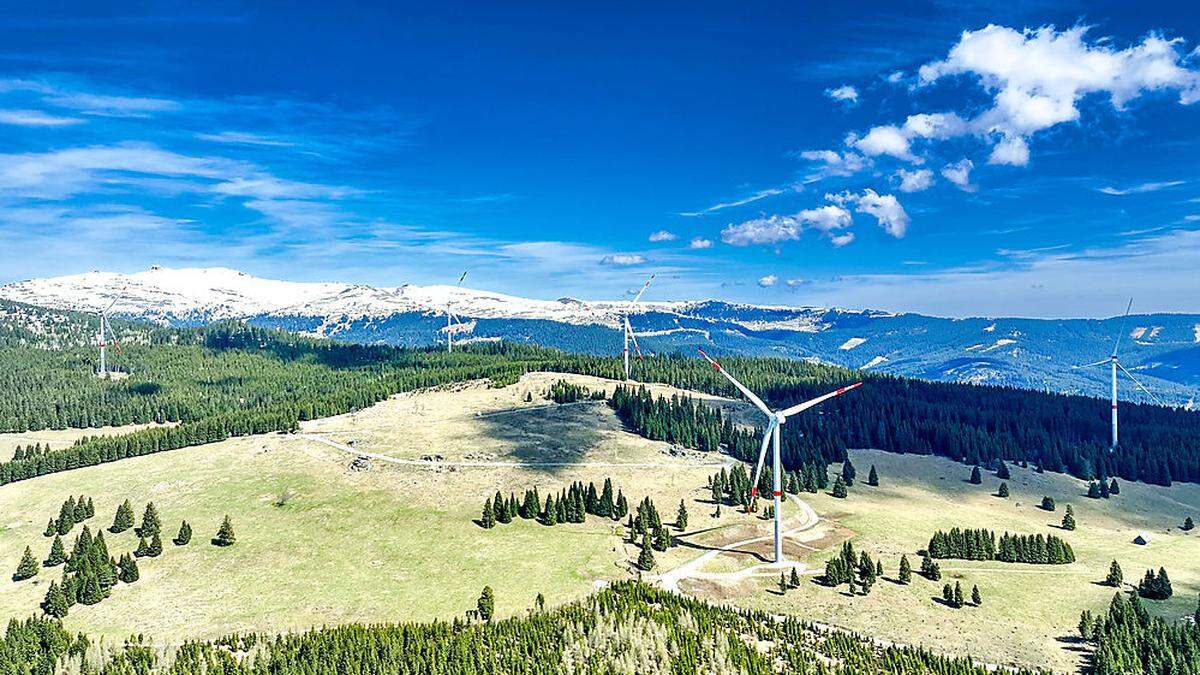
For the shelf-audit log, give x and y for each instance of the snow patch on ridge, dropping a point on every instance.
(852, 343)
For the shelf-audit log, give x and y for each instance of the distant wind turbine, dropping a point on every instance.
(103, 334)
(1114, 362)
(630, 336)
(774, 420)
(453, 323)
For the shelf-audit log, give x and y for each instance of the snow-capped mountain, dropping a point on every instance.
(1163, 350)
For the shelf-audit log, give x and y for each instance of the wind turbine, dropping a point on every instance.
(775, 418)
(1115, 364)
(629, 334)
(451, 318)
(102, 336)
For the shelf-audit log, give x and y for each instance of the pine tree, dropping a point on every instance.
(794, 582)
(1002, 471)
(662, 538)
(873, 477)
(1188, 524)
(184, 536)
(91, 509)
(958, 595)
(681, 517)
(948, 594)
(128, 569)
(645, 559)
(1048, 504)
(1114, 488)
(1115, 576)
(976, 598)
(124, 518)
(486, 605)
(550, 517)
(905, 570)
(935, 572)
(58, 554)
(1003, 491)
(55, 602)
(225, 536)
(80, 512)
(66, 517)
(151, 524)
(156, 547)
(1093, 490)
(51, 529)
(1086, 626)
(976, 475)
(143, 548)
(27, 568)
(783, 583)
(1068, 521)
(848, 472)
(839, 488)
(488, 520)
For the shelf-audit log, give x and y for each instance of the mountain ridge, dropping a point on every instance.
(1163, 349)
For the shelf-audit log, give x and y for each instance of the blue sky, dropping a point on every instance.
(945, 157)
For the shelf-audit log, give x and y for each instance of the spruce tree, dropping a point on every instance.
(156, 547)
(27, 568)
(128, 569)
(1068, 521)
(948, 594)
(795, 579)
(905, 570)
(1048, 504)
(839, 488)
(976, 475)
(488, 520)
(645, 559)
(58, 554)
(143, 548)
(1115, 576)
(1188, 524)
(55, 602)
(783, 583)
(185, 534)
(1114, 488)
(1002, 471)
(551, 515)
(225, 536)
(873, 477)
(486, 605)
(958, 595)
(1003, 491)
(151, 524)
(124, 518)
(848, 472)
(681, 517)
(51, 529)
(976, 598)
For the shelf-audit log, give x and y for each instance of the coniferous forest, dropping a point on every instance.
(629, 627)
(230, 379)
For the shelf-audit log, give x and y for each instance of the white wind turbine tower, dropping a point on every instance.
(453, 323)
(1114, 363)
(774, 420)
(103, 334)
(629, 334)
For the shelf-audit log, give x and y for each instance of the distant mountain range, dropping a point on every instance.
(1163, 350)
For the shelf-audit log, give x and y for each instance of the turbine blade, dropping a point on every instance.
(762, 456)
(820, 399)
(1098, 363)
(1122, 332)
(637, 348)
(638, 297)
(464, 276)
(741, 387)
(1140, 385)
(117, 297)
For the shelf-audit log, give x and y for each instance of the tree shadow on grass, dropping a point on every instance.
(543, 440)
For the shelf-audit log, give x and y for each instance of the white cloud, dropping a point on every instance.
(662, 235)
(112, 106)
(623, 259)
(1011, 150)
(934, 125)
(35, 118)
(844, 93)
(1139, 189)
(886, 208)
(883, 140)
(245, 138)
(768, 281)
(826, 218)
(959, 173)
(769, 230)
(796, 283)
(761, 194)
(1038, 77)
(895, 77)
(700, 243)
(834, 163)
(914, 181)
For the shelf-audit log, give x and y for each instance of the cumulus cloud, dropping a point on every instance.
(884, 140)
(622, 259)
(700, 243)
(768, 281)
(845, 93)
(886, 209)
(828, 220)
(959, 173)
(833, 163)
(662, 235)
(934, 125)
(1037, 78)
(914, 181)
